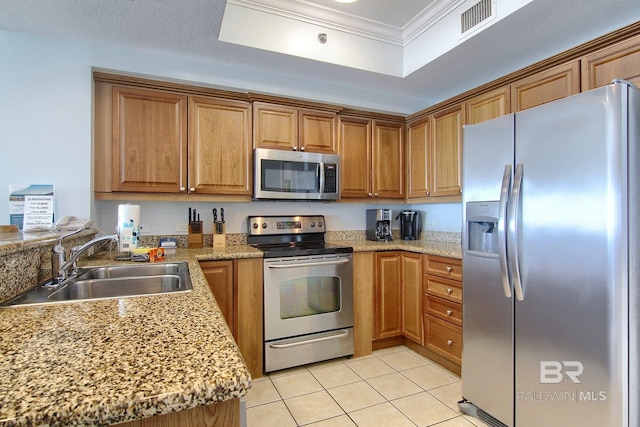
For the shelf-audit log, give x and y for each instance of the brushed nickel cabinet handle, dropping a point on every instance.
(449, 312)
(449, 342)
(449, 290)
(449, 269)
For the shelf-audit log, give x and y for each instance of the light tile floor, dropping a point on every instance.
(393, 387)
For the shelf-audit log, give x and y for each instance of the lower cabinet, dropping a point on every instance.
(417, 301)
(442, 307)
(411, 273)
(237, 286)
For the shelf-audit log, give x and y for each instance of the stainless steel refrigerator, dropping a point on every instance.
(550, 263)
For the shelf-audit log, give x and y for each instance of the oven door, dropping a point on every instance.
(305, 295)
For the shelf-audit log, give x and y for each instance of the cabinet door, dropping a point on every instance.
(412, 296)
(488, 106)
(275, 126)
(149, 141)
(620, 61)
(418, 158)
(388, 295)
(219, 146)
(388, 160)
(364, 271)
(318, 132)
(248, 289)
(355, 158)
(546, 86)
(219, 275)
(447, 142)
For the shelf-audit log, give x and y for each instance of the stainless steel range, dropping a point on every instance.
(308, 291)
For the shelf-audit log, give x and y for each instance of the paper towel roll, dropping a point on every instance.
(128, 227)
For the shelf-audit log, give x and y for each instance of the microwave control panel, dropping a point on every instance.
(330, 178)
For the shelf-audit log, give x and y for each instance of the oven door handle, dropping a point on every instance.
(342, 333)
(310, 264)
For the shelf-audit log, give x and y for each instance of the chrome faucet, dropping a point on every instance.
(60, 265)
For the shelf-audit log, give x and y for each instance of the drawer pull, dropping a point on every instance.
(449, 342)
(449, 269)
(449, 312)
(449, 290)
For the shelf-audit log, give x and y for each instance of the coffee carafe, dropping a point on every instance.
(379, 224)
(410, 225)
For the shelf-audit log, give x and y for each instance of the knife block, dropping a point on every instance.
(195, 235)
(219, 235)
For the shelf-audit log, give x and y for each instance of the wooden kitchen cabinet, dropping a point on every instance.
(418, 159)
(149, 135)
(434, 154)
(488, 106)
(442, 307)
(288, 128)
(619, 61)
(411, 276)
(237, 286)
(153, 141)
(372, 158)
(220, 147)
(446, 162)
(388, 308)
(364, 271)
(398, 300)
(546, 86)
(219, 275)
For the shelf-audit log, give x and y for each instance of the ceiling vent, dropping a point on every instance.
(477, 16)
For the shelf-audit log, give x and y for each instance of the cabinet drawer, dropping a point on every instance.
(450, 268)
(448, 289)
(445, 310)
(443, 337)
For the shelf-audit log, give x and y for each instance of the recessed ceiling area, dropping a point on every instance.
(371, 35)
(180, 39)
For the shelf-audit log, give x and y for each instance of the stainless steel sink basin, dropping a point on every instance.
(111, 281)
(130, 270)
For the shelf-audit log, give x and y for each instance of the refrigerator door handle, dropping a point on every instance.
(502, 228)
(513, 232)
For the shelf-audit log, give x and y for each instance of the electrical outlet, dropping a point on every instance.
(145, 229)
(182, 227)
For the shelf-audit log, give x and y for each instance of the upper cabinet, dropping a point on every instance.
(219, 146)
(433, 154)
(149, 136)
(446, 134)
(418, 159)
(372, 156)
(488, 105)
(546, 86)
(620, 61)
(153, 141)
(288, 128)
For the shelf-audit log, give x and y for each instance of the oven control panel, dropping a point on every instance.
(301, 224)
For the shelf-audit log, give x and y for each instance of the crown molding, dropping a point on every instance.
(311, 13)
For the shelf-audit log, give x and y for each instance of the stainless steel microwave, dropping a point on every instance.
(295, 175)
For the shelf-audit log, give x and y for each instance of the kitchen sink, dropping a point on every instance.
(130, 270)
(111, 281)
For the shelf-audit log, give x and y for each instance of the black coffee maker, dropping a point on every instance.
(410, 225)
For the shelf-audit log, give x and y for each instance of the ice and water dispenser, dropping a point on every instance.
(482, 227)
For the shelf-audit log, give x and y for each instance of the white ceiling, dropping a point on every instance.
(191, 28)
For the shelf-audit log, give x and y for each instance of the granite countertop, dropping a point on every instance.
(431, 247)
(109, 361)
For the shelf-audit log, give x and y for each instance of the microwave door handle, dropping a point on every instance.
(320, 175)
